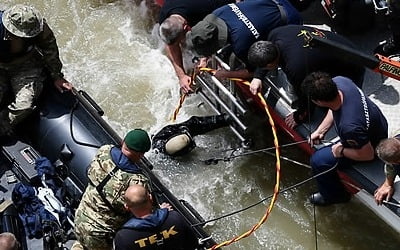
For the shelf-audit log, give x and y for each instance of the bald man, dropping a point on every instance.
(152, 229)
(8, 242)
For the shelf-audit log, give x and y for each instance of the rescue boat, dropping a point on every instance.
(67, 128)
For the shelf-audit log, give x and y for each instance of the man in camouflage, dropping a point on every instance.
(101, 211)
(27, 48)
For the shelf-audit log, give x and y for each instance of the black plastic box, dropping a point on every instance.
(22, 157)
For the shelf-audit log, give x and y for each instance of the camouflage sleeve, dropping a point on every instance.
(389, 170)
(47, 46)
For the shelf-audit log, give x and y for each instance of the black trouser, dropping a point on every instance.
(198, 125)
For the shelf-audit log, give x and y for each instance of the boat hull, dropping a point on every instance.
(68, 128)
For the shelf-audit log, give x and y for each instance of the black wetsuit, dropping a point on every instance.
(163, 229)
(196, 125)
(192, 10)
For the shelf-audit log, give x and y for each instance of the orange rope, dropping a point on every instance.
(181, 100)
(278, 169)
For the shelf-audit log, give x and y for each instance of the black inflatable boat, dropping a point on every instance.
(68, 128)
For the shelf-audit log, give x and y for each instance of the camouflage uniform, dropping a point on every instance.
(95, 221)
(22, 64)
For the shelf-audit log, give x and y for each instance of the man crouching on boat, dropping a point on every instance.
(27, 48)
(388, 150)
(359, 124)
(101, 211)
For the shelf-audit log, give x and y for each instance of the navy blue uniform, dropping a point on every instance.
(358, 122)
(192, 10)
(161, 230)
(250, 21)
(297, 61)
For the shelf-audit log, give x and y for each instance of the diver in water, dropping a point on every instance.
(177, 139)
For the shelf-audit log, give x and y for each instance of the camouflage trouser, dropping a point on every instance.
(77, 246)
(25, 82)
(92, 240)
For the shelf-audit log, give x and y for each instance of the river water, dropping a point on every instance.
(108, 49)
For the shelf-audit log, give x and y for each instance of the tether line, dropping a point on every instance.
(266, 198)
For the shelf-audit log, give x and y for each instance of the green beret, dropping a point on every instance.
(138, 140)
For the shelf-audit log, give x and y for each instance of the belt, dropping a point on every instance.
(284, 17)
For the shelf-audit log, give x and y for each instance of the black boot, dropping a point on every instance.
(318, 200)
(387, 48)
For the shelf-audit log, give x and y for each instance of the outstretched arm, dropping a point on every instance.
(47, 46)
(323, 127)
(256, 83)
(365, 153)
(385, 191)
(255, 86)
(224, 74)
(174, 53)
